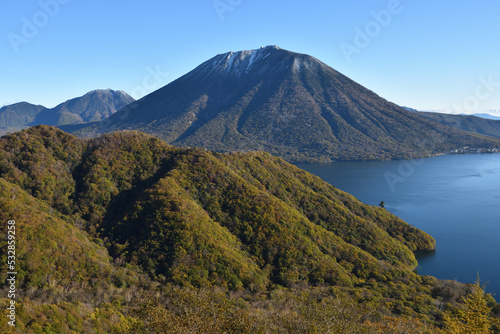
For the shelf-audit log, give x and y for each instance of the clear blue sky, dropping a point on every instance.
(427, 55)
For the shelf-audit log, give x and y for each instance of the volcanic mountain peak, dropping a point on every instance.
(237, 63)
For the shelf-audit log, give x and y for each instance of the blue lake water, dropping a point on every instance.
(454, 198)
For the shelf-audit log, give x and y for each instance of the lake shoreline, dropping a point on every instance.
(393, 159)
(455, 198)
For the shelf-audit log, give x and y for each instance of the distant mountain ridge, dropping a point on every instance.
(408, 108)
(94, 106)
(91, 107)
(288, 104)
(469, 123)
(19, 114)
(485, 115)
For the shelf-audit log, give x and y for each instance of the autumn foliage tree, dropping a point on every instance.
(475, 316)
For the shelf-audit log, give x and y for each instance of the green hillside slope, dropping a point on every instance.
(113, 227)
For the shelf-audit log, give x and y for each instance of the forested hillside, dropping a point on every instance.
(469, 123)
(125, 233)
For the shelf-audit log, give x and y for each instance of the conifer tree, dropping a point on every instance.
(475, 317)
